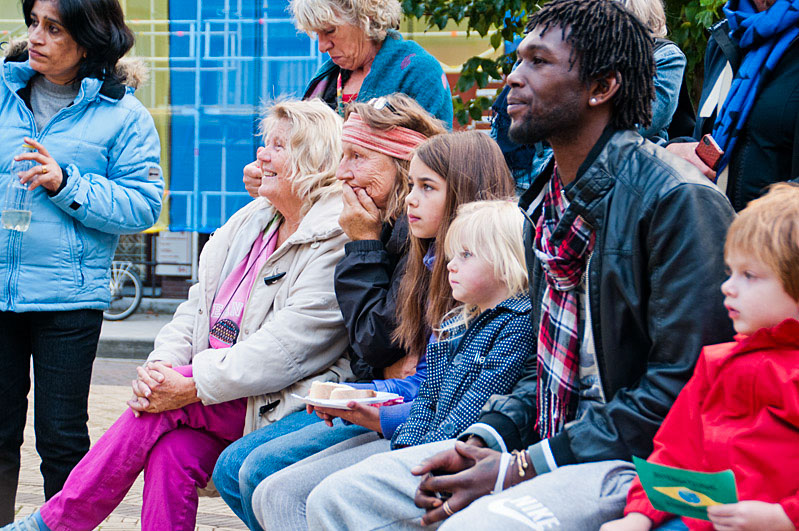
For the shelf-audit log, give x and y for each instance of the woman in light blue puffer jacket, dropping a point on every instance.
(96, 175)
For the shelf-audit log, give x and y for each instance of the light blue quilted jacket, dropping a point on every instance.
(107, 142)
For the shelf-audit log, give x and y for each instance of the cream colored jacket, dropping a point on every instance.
(291, 331)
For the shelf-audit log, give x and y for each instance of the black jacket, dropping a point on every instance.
(767, 150)
(367, 280)
(654, 294)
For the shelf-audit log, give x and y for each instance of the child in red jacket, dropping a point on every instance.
(740, 410)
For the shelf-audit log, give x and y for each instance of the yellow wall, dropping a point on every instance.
(450, 46)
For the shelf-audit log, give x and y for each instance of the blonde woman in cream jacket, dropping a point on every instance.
(262, 323)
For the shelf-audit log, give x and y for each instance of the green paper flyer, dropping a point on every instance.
(685, 492)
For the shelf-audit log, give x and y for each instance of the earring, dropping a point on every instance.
(593, 100)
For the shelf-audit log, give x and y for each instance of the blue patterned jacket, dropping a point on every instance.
(400, 66)
(465, 369)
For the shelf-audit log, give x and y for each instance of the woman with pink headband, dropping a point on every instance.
(378, 139)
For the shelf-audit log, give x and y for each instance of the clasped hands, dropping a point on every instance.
(160, 388)
(466, 472)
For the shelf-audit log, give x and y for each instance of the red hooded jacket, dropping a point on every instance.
(740, 410)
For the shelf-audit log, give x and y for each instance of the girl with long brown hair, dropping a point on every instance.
(465, 167)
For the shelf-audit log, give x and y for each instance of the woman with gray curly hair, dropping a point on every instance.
(368, 57)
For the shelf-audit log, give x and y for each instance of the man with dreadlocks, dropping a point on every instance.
(625, 264)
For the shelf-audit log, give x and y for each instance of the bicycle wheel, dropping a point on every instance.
(125, 294)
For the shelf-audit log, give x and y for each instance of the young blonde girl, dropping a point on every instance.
(483, 344)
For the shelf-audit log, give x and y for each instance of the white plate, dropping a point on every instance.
(342, 404)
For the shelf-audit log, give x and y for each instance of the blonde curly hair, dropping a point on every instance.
(492, 230)
(374, 17)
(314, 144)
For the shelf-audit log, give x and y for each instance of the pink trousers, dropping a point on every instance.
(176, 449)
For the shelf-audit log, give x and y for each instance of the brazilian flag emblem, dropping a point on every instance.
(685, 492)
(686, 495)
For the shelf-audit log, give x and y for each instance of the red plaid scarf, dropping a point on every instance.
(563, 242)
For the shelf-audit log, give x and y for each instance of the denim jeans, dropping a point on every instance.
(251, 459)
(63, 345)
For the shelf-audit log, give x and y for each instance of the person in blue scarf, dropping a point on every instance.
(750, 98)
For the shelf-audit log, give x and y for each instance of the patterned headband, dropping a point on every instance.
(398, 142)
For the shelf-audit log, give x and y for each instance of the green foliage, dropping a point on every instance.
(504, 20)
(688, 21)
(470, 110)
(500, 20)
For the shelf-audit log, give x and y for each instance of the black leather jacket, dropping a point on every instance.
(367, 280)
(654, 294)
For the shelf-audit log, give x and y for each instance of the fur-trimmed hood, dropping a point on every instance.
(130, 71)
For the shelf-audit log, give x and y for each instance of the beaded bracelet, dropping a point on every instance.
(520, 458)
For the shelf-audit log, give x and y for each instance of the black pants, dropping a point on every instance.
(63, 345)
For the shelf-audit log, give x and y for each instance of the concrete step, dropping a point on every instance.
(132, 338)
(158, 305)
(131, 348)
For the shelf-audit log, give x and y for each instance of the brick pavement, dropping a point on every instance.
(110, 389)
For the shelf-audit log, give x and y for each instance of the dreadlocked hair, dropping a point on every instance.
(606, 38)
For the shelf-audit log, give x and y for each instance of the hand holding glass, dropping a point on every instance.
(16, 214)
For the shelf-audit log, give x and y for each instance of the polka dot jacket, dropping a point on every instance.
(466, 368)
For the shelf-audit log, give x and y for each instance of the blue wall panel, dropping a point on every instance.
(227, 58)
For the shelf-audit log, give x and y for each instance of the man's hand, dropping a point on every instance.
(252, 176)
(360, 219)
(475, 440)
(687, 150)
(631, 522)
(447, 462)
(471, 474)
(173, 392)
(749, 515)
(360, 414)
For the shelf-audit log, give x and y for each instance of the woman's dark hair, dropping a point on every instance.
(474, 168)
(98, 26)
